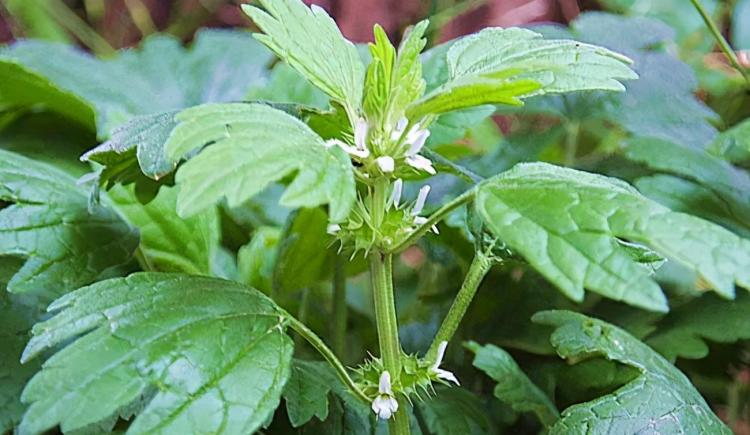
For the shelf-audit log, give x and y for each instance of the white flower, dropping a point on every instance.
(354, 151)
(419, 205)
(395, 199)
(332, 229)
(416, 138)
(443, 374)
(384, 405)
(421, 163)
(399, 130)
(385, 163)
(360, 134)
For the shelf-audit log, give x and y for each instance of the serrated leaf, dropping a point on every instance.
(513, 386)
(247, 154)
(565, 224)
(303, 251)
(455, 411)
(309, 40)
(169, 243)
(501, 66)
(209, 355)
(220, 66)
(306, 393)
(48, 222)
(684, 332)
(660, 400)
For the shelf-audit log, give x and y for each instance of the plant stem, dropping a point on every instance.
(480, 265)
(75, 25)
(381, 271)
(432, 220)
(723, 44)
(339, 306)
(328, 354)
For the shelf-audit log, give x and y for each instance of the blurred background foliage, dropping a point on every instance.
(680, 133)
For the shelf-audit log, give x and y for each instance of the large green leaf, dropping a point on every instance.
(306, 393)
(303, 251)
(660, 400)
(47, 220)
(247, 153)
(513, 386)
(567, 223)
(208, 355)
(158, 77)
(309, 41)
(501, 66)
(169, 243)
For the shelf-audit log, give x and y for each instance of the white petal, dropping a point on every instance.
(385, 383)
(421, 163)
(399, 130)
(440, 354)
(435, 229)
(420, 220)
(360, 134)
(421, 198)
(384, 406)
(398, 185)
(386, 164)
(446, 375)
(417, 140)
(333, 229)
(354, 151)
(334, 142)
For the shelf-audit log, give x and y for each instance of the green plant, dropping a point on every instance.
(191, 338)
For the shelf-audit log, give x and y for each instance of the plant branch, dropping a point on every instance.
(75, 25)
(432, 220)
(480, 265)
(315, 341)
(339, 306)
(725, 47)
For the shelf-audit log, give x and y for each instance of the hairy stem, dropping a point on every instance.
(432, 220)
(339, 306)
(381, 271)
(480, 265)
(723, 44)
(315, 341)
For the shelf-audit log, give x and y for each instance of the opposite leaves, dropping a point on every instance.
(567, 224)
(251, 146)
(207, 355)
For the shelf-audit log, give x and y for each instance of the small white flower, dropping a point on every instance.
(416, 138)
(421, 163)
(395, 199)
(385, 405)
(399, 130)
(333, 229)
(386, 164)
(421, 198)
(354, 151)
(443, 374)
(360, 134)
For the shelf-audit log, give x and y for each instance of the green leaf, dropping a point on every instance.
(303, 251)
(287, 86)
(209, 355)
(566, 223)
(310, 42)
(220, 66)
(513, 386)
(455, 411)
(168, 243)
(306, 393)
(501, 66)
(660, 400)
(683, 333)
(48, 222)
(256, 260)
(247, 153)
(731, 185)
(733, 144)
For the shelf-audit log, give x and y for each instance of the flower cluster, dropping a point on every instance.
(402, 146)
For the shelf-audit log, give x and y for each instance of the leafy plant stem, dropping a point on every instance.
(432, 220)
(339, 305)
(723, 44)
(315, 341)
(479, 267)
(381, 275)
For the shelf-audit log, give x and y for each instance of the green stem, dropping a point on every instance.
(432, 220)
(571, 142)
(304, 303)
(725, 47)
(480, 265)
(339, 306)
(315, 341)
(78, 27)
(381, 270)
